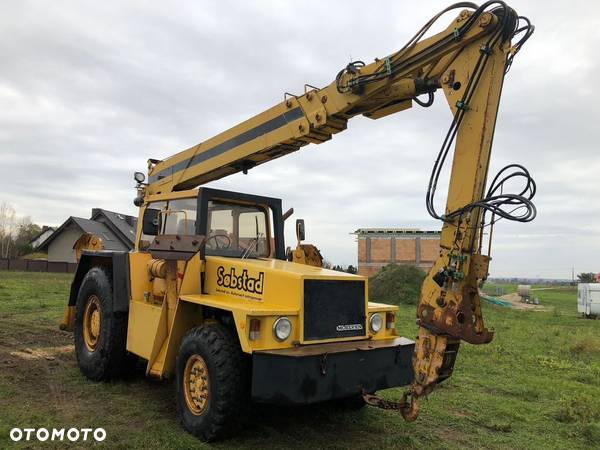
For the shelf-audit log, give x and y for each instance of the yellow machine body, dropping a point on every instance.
(174, 281)
(154, 337)
(159, 316)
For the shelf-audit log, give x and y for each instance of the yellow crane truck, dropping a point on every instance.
(210, 295)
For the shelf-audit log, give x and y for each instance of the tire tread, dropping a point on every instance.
(227, 361)
(112, 359)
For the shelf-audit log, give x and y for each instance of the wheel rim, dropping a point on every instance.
(196, 384)
(92, 323)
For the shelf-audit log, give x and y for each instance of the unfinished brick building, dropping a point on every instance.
(378, 247)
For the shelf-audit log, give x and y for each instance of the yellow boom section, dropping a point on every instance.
(319, 113)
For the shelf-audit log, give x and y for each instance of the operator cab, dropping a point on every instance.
(234, 224)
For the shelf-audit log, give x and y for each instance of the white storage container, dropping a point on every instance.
(588, 299)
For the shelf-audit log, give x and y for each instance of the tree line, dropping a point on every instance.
(340, 268)
(586, 277)
(15, 233)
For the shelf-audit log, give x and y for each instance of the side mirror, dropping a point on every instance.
(151, 223)
(300, 231)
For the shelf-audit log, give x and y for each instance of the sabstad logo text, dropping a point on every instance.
(242, 282)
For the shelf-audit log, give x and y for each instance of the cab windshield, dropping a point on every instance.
(237, 230)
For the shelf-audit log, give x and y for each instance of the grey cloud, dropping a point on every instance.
(91, 90)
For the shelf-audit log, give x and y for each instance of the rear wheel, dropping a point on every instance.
(100, 332)
(210, 381)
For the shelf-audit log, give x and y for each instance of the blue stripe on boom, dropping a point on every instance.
(230, 144)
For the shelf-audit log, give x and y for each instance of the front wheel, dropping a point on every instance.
(210, 380)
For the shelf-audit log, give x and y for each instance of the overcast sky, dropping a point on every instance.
(90, 90)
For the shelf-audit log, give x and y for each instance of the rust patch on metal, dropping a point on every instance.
(176, 247)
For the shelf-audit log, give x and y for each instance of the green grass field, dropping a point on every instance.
(537, 385)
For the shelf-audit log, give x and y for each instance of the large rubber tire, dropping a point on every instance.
(221, 354)
(109, 357)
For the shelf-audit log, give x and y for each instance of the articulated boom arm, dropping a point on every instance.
(468, 62)
(318, 114)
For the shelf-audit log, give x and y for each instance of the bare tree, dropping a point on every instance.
(8, 226)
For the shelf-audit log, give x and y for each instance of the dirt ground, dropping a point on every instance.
(37, 359)
(515, 300)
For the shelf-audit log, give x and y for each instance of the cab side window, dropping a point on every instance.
(172, 217)
(180, 217)
(146, 239)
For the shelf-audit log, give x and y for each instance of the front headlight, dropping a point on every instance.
(282, 328)
(376, 322)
